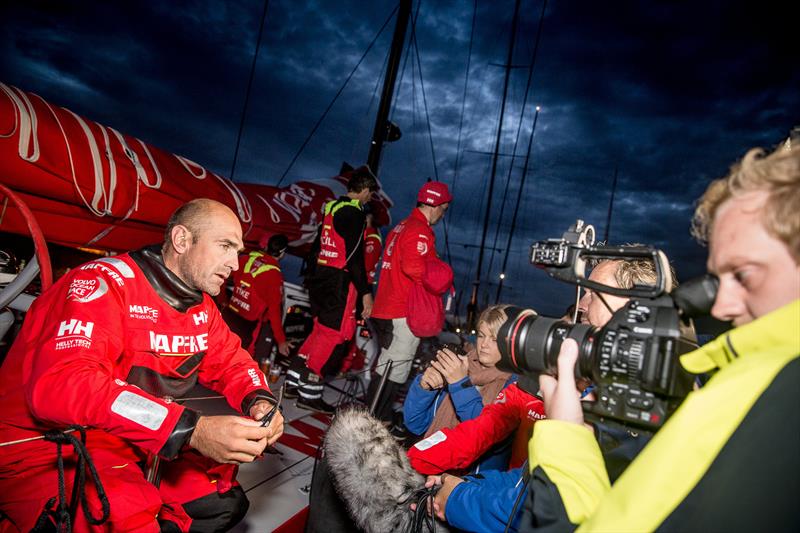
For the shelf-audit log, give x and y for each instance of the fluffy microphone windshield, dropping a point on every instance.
(371, 472)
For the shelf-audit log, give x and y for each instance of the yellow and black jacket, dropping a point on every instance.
(727, 460)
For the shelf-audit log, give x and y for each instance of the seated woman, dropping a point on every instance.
(456, 388)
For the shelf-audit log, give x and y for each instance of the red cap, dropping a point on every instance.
(434, 193)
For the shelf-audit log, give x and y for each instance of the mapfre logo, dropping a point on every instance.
(115, 268)
(74, 334)
(535, 415)
(178, 344)
(143, 312)
(86, 290)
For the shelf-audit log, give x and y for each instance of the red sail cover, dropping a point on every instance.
(91, 186)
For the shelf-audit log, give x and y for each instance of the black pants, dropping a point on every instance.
(213, 512)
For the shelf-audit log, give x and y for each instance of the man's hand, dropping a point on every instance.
(431, 379)
(275, 427)
(446, 484)
(561, 396)
(452, 367)
(366, 304)
(284, 347)
(230, 439)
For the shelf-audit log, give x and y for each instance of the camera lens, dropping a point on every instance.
(530, 343)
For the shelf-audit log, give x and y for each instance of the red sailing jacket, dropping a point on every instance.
(403, 264)
(372, 253)
(459, 447)
(103, 346)
(258, 291)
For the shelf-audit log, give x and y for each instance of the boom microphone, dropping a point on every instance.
(371, 473)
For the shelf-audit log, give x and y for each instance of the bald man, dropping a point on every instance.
(109, 348)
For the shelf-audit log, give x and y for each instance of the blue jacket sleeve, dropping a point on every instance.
(466, 399)
(484, 504)
(419, 407)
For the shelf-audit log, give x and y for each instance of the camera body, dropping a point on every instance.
(634, 359)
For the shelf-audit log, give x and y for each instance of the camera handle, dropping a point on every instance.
(663, 281)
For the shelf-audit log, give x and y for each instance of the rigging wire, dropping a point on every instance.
(472, 308)
(249, 87)
(516, 141)
(516, 208)
(430, 132)
(464, 96)
(338, 93)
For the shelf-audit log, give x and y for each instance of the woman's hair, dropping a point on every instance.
(493, 316)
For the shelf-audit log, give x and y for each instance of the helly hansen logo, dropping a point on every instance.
(75, 327)
(178, 344)
(74, 334)
(200, 318)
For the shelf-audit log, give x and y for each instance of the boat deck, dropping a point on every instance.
(277, 484)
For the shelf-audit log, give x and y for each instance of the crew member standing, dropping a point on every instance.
(337, 279)
(255, 309)
(407, 247)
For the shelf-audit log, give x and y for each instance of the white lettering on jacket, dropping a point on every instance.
(74, 334)
(200, 318)
(178, 344)
(86, 290)
(143, 312)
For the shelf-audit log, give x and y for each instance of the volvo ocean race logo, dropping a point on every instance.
(86, 290)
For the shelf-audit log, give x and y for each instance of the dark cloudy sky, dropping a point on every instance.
(670, 93)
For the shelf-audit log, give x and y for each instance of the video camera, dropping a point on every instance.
(634, 359)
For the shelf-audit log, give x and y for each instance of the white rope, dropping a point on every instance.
(276, 218)
(186, 162)
(25, 119)
(99, 186)
(157, 184)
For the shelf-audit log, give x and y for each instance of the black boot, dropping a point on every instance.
(293, 374)
(310, 390)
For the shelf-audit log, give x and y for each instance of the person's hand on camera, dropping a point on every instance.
(431, 379)
(453, 367)
(561, 396)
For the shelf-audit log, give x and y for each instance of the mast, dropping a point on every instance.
(516, 207)
(383, 129)
(472, 307)
(611, 206)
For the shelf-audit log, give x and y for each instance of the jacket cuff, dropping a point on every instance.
(180, 435)
(252, 397)
(463, 383)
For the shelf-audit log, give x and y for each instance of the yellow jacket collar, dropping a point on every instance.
(778, 331)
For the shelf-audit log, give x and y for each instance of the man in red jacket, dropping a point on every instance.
(105, 351)
(255, 309)
(407, 246)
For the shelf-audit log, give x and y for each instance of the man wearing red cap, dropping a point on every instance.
(407, 247)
